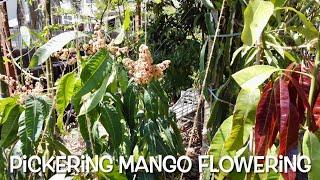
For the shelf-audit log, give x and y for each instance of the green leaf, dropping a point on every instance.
(279, 3)
(110, 119)
(53, 45)
(208, 4)
(9, 130)
(94, 98)
(202, 56)
(218, 142)
(119, 39)
(129, 105)
(209, 23)
(256, 17)
(309, 30)
(25, 35)
(311, 146)
(243, 118)
(58, 146)
(127, 21)
(5, 105)
(64, 94)
(253, 76)
(35, 114)
(94, 72)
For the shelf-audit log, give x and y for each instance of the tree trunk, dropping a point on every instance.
(137, 21)
(5, 43)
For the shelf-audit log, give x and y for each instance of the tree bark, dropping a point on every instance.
(5, 43)
(137, 20)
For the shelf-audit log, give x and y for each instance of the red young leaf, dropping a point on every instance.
(265, 120)
(289, 120)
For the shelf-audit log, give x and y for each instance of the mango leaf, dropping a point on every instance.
(58, 146)
(129, 105)
(94, 72)
(256, 17)
(119, 39)
(208, 4)
(289, 120)
(202, 56)
(34, 118)
(253, 76)
(311, 146)
(53, 45)
(31, 122)
(110, 119)
(64, 94)
(5, 105)
(309, 30)
(217, 143)
(266, 121)
(9, 130)
(94, 99)
(25, 35)
(279, 3)
(243, 118)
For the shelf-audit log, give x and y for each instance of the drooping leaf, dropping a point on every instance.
(35, 114)
(53, 45)
(94, 99)
(256, 17)
(110, 119)
(266, 121)
(208, 4)
(58, 146)
(94, 72)
(5, 105)
(279, 3)
(218, 142)
(243, 118)
(25, 35)
(309, 30)
(202, 56)
(129, 105)
(65, 92)
(9, 130)
(289, 120)
(311, 146)
(119, 39)
(253, 76)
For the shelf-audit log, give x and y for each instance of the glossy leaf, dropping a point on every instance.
(129, 105)
(289, 120)
(53, 45)
(94, 72)
(253, 76)
(256, 17)
(65, 91)
(110, 119)
(266, 121)
(208, 4)
(243, 118)
(218, 141)
(311, 147)
(9, 129)
(94, 99)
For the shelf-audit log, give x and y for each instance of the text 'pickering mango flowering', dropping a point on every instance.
(143, 71)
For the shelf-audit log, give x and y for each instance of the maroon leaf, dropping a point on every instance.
(316, 112)
(265, 121)
(289, 120)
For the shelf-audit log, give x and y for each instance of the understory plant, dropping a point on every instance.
(119, 109)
